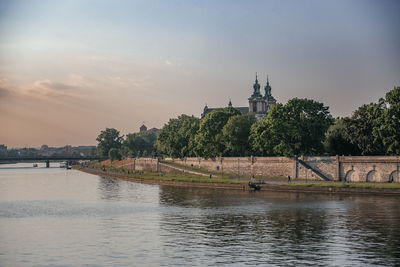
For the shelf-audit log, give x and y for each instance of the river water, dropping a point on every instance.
(58, 217)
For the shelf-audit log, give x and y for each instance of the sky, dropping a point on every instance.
(69, 69)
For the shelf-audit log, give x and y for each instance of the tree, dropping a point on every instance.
(114, 154)
(236, 134)
(388, 130)
(361, 126)
(295, 128)
(337, 140)
(209, 138)
(265, 135)
(177, 137)
(139, 144)
(107, 139)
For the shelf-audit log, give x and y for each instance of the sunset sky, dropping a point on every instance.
(69, 69)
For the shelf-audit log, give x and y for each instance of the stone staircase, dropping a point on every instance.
(316, 171)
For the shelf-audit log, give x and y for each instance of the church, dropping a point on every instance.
(259, 105)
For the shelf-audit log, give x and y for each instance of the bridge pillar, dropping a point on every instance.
(47, 163)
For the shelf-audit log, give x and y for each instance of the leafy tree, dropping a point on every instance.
(209, 138)
(114, 154)
(29, 152)
(388, 130)
(361, 126)
(177, 137)
(337, 140)
(107, 139)
(295, 128)
(13, 152)
(139, 144)
(236, 134)
(265, 134)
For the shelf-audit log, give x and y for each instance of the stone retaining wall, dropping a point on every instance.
(337, 168)
(244, 166)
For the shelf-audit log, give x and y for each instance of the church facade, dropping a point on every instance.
(259, 104)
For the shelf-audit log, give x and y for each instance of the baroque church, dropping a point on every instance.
(259, 105)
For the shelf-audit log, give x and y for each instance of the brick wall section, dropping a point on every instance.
(146, 164)
(355, 168)
(135, 164)
(273, 167)
(244, 166)
(376, 168)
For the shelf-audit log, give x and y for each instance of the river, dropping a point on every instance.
(58, 217)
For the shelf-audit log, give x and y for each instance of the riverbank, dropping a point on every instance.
(171, 179)
(224, 183)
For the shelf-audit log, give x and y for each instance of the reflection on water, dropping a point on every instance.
(276, 228)
(60, 217)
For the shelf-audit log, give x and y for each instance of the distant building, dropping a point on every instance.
(259, 105)
(143, 128)
(3, 150)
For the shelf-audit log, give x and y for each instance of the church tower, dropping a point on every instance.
(269, 99)
(256, 101)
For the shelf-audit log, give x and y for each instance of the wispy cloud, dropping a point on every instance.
(3, 88)
(4, 92)
(47, 89)
(72, 87)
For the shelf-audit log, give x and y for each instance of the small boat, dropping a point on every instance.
(254, 186)
(35, 165)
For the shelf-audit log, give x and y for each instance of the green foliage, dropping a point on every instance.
(337, 140)
(114, 154)
(389, 123)
(295, 128)
(139, 144)
(177, 137)
(209, 138)
(236, 134)
(360, 128)
(108, 139)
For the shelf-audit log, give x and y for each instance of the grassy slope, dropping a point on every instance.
(167, 176)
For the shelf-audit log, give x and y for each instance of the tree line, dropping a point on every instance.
(300, 127)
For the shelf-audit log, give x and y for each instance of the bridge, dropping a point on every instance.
(47, 159)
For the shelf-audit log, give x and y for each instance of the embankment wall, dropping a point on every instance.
(336, 168)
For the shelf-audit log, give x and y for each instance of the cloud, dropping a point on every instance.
(73, 86)
(79, 81)
(4, 92)
(5, 88)
(46, 88)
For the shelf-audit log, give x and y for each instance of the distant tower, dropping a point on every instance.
(256, 101)
(143, 128)
(230, 103)
(269, 99)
